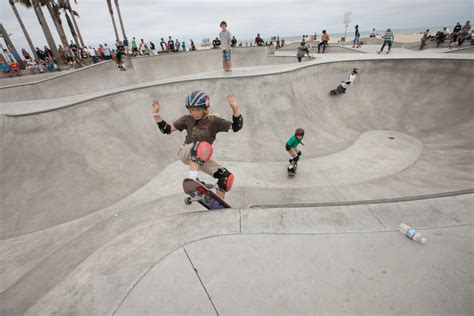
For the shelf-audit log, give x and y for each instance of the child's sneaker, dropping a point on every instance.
(208, 186)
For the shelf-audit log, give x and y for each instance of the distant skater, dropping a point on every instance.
(388, 38)
(301, 51)
(356, 40)
(341, 88)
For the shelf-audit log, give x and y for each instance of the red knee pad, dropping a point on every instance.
(225, 179)
(201, 152)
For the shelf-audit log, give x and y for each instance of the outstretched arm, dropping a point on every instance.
(237, 120)
(165, 128)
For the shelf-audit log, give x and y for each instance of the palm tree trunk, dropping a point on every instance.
(10, 46)
(46, 31)
(120, 18)
(109, 3)
(54, 11)
(73, 31)
(28, 39)
(75, 24)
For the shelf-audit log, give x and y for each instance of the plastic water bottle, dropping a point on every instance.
(411, 233)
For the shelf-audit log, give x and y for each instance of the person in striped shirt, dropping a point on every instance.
(387, 40)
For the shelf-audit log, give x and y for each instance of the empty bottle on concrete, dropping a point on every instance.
(411, 233)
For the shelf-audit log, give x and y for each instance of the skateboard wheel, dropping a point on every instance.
(187, 200)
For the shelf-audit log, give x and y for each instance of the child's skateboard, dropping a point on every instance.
(199, 193)
(292, 171)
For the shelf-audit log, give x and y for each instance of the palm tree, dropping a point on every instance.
(6, 38)
(109, 3)
(120, 18)
(20, 21)
(66, 6)
(56, 17)
(42, 21)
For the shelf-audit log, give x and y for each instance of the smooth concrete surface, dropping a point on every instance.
(93, 219)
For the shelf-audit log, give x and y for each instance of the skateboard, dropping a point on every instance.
(292, 172)
(203, 195)
(336, 92)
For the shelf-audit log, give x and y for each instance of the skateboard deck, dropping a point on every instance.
(199, 193)
(292, 172)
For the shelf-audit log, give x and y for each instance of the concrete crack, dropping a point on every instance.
(200, 280)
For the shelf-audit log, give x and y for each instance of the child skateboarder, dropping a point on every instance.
(201, 127)
(291, 148)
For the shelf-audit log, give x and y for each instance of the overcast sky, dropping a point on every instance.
(153, 19)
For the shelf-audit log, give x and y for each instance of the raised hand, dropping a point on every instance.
(233, 102)
(155, 106)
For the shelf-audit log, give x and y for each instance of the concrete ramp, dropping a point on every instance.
(94, 154)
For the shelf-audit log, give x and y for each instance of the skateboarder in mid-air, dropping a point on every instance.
(344, 84)
(201, 127)
(291, 148)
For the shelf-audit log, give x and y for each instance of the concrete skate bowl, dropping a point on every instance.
(393, 134)
(105, 75)
(93, 193)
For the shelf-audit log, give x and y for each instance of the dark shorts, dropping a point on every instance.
(69, 59)
(226, 54)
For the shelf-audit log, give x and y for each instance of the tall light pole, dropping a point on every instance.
(347, 21)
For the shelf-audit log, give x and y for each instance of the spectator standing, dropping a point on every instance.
(216, 43)
(163, 44)
(101, 52)
(92, 54)
(465, 33)
(152, 48)
(170, 44)
(183, 46)
(134, 47)
(126, 44)
(455, 34)
(233, 42)
(48, 52)
(41, 54)
(107, 52)
(177, 45)
(258, 40)
(226, 42)
(25, 55)
(193, 48)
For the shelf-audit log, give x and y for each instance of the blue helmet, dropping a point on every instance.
(197, 99)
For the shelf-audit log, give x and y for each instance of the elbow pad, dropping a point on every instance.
(164, 127)
(237, 123)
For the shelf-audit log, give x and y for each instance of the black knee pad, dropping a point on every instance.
(299, 153)
(201, 152)
(225, 179)
(294, 159)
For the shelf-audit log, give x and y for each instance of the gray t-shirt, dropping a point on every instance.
(202, 130)
(226, 39)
